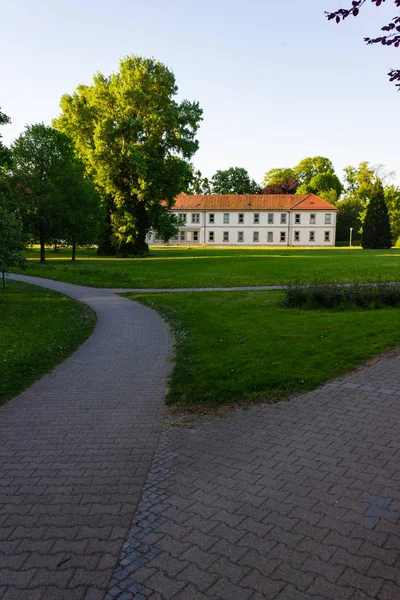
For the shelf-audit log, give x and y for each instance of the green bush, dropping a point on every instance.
(317, 295)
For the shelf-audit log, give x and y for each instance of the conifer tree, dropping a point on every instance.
(376, 227)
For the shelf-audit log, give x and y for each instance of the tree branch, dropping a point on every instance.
(393, 29)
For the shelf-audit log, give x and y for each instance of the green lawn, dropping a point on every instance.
(214, 267)
(39, 328)
(244, 346)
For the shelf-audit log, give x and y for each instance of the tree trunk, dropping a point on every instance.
(42, 249)
(73, 251)
(55, 246)
(140, 246)
(105, 246)
(4, 279)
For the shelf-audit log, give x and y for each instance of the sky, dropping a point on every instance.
(276, 80)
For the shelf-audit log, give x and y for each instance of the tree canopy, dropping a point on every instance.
(288, 186)
(235, 180)
(280, 180)
(391, 36)
(278, 175)
(5, 157)
(12, 242)
(136, 142)
(376, 226)
(83, 215)
(49, 189)
(392, 199)
(199, 184)
(314, 175)
(359, 180)
(349, 216)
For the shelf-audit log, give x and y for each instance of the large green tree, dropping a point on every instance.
(358, 184)
(5, 155)
(12, 242)
(278, 175)
(313, 175)
(136, 141)
(235, 180)
(84, 217)
(199, 184)
(280, 181)
(376, 231)
(316, 175)
(358, 181)
(5, 159)
(46, 184)
(348, 216)
(392, 199)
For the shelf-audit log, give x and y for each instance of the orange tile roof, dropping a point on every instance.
(251, 202)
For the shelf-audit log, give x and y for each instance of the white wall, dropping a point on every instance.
(307, 224)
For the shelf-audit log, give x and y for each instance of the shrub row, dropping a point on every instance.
(342, 295)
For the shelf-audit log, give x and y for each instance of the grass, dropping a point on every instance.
(214, 267)
(245, 346)
(39, 328)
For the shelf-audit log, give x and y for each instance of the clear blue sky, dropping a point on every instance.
(276, 80)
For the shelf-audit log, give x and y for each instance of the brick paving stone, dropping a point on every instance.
(268, 502)
(225, 590)
(313, 540)
(77, 446)
(200, 578)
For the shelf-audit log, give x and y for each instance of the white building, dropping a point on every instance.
(254, 220)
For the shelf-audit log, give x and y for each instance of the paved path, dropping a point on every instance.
(295, 501)
(75, 451)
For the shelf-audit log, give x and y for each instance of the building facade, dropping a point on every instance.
(253, 220)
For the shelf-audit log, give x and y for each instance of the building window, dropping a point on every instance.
(283, 236)
(270, 236)
(182, 236)
(150, 237)
(211, 218)
(226, 236)
(156, 237)
(297, 236)
(297, 219)
(240, 236)
(256, 218)
(283, 219)
(226, 218)
(270, 218)
(255, 236)
(312, 236)
(327, 237)
(196, 218)
(210, 236)
(195, 236)
(182, 217)
(328, 219)
(312, 219)
(176, 237)
(241, 218)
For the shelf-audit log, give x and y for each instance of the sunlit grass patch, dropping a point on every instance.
(240, 347)
(219, 267)
(39, 328)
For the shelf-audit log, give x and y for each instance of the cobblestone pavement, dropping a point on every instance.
(75, 451)
(294, 501)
